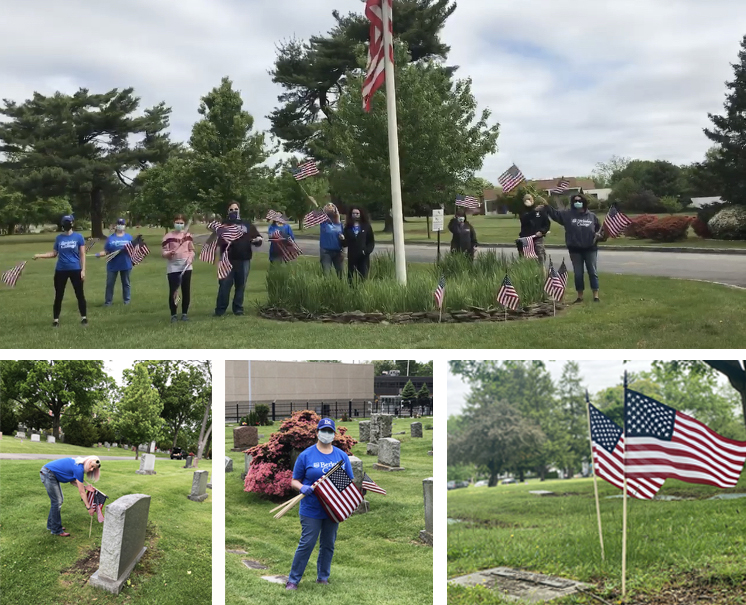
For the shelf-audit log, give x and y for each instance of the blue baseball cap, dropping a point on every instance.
(326, 423)
(121, 221)
(68, 217)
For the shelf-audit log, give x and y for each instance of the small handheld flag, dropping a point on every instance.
(289, 250)
(511, 178)
(10, 277)
(467, 201)
(615, 222)
(507, 295)
(561, 187)
(315, 217)
(97, 500)
(137, 250)
(303, 171)
(90, 242)
(338, 495)
(527, 245)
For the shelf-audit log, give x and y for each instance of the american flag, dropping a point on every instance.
(339, 496)
(303, 171)
(137, 250)
(374, 70)
(562, 186)
(663, 442)
(225, 266)
(554, 286)
(467, 201)
(615, 222)
(10, 277)
(96, 499)
(272, 215)
(287, 246)
(510, 179)
(607, 443)
(90, 242)
(440, 291)
(372, 486)
(111, 255)
(563, 274)
(527, 244)
(207, 254)
(315, 217)
(507, 296)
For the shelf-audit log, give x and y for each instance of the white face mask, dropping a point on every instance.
(120, 227)
(326, 437)
(528, 203)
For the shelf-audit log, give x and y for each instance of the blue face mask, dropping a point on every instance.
(578, 205)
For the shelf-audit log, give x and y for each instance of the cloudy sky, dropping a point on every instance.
(572, 82)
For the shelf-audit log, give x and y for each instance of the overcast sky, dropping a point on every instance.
(572, 82)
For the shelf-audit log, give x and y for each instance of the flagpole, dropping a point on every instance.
(313, 201)
(624, 498)
(396, 201)
(593, 469)
(91, 527)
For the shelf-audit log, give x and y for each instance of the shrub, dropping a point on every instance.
(270, 471)
(707, 211)
(729, 223)
(262, 413)
(669, 229)
(251, 419)
(644, 201)
(79, 431)
(671, 204)
(637, 225)
(701, 229)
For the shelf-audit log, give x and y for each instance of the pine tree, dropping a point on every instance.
(138, 417)
(409, 395)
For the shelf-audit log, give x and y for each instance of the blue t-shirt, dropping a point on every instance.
(329, 239)
(286, 231)
(309, 467)
(356, 229)
(66, 470)
(122, 261)
(67, 248)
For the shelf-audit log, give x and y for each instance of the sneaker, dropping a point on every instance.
(174, 319)
(596, 299)
(64, 534)
(184, 317)
(322, 581)
(577, 300)
(84, 322)
(55, 324)
(291, 586)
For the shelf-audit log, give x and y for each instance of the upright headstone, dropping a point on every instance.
(415, 430)
(357, 479)
(388, 455)
(122, 542)
(189, 462)
(107, 444)
(21, 434)
(35, 438)
(375, 429)
(152, 446)
(372, 449)
(228, 465)
(147, 464)
(246, 464)
(245, 437)
(114, 445)
(385, 422)
(50, 439)
(364, 431)
(199, 487)
(426, 535)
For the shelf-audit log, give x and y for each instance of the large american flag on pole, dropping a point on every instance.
(527, 244)
(554, 286)
(511, 178)
(440, 291)
(663, 442)
(289, 250)
(303, 171)
(315, 217)
(467, 201)
(507, 295)
(338, 495)
(375, 69)
(615, 222)
(96, 499)
(607, 441)
(10, 277)
(137, 250)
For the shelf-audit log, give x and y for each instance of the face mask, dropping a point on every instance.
(233, 215)
(120, 227)
(326, 437)
(461, 219)
(578, 205)
(528, 203)
(178, 226)
(67, 225)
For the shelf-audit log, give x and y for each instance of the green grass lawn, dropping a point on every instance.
(37, 567)
(636, 312)
(378, 557)
(697, 541)
(11, 445)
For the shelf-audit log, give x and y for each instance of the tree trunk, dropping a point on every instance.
(493, 479)
(97, 213)
(11, 228)
(56, 426)
(204, 432)
(137, 452)
(427, 222)
(388, 225)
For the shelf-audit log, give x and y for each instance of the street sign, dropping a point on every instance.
(438, 219)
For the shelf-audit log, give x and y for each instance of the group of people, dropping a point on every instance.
(583, 231)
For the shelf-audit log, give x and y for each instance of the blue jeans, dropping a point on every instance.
(311, 529)
(238, 276)
(332, 257)
(111, 279)
(54, 521)
(589, 259)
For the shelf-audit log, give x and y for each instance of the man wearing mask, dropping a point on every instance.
(120, 265)
(239, 253)
(331, 237)
(534, 223)
(464, 236)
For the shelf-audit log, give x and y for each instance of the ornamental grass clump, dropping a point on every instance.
(270, 472)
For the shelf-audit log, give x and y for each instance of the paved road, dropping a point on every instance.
(56, 457)
(720, 268)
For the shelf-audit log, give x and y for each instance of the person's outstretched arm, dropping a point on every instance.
(556, 215)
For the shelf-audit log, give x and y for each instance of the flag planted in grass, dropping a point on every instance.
(10, 277)
(527, 245)
(372, 486)
(467, 201)
(563, 275)
(615, 222)
(507, 295)
(97, 500)
(339, 496)
(440, 291)
(665, 443)
(607, 442)
(554, 286)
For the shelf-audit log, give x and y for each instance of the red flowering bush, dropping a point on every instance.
(701, 228)
(638, 224)
(669, 229)
(270, 472)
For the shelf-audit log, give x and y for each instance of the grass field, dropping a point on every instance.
(40, 568)
(378, 557)
(675, 548)
(11, 445)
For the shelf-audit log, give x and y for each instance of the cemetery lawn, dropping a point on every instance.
(378, 556)
(36, 567)
(11, 445)
(635, 312)
(676, 549)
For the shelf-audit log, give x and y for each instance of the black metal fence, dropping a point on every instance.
(353, 408)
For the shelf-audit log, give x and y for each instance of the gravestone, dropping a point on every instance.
(147, 465)
(107, 444)
(35, 438)
(526, 586)
(228, 465)
(375, 429)
(21, 434)
(372, 449)
(364, 431)
(357, 479)
(388, 455)
(415, 430)
(199, 487)
(188, 463)
(385, 422)
(245, 437)
(246, 464)
(152, 446)
(426, 535)
(114, 445)
(122, 542)
(50, 439)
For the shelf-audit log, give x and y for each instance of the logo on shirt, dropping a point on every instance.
(324, 466)
(582, 222)
(72, 244)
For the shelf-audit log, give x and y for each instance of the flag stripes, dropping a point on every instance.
(615, 222)
(372, 486)
(338, 495)
(96, 500)
(554, 286)
(511, 178)
(315, 217)
(11, 276)
(467, 201)
(289, 249)
(440, 291)
(303, 171)
(561, 187)
(507, 295)
(375, 69)
(527, 243)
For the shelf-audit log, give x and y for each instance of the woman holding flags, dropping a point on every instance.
(178, 249)
(120, 264)
(534, 224)
(311, 465)
(69, 250)
(278, 231)
(331, 235)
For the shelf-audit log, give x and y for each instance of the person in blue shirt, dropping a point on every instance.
(69, 250)
(120, 265)
(67, 470)
(330, 241)
(279, 225)
(312, 463)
